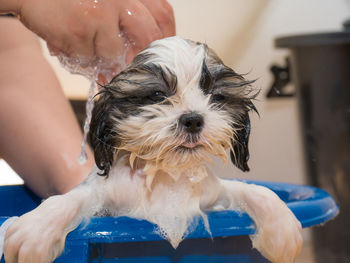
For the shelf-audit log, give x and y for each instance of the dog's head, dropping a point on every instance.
(175, 104)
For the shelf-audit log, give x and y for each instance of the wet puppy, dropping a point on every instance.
(153, 130)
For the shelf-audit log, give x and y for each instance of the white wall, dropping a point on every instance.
(242, 33)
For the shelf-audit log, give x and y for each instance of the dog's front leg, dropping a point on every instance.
(39, 236)
(278, 235)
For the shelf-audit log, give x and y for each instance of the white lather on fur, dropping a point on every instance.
(154, 128)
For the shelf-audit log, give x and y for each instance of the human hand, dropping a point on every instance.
(98, 29)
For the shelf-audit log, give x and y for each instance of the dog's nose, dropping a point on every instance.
(192, 122)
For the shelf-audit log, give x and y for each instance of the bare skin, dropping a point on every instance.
(39, 136)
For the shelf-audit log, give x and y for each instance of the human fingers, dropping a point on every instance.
(108, 43)
(139, 25)
(163, 13)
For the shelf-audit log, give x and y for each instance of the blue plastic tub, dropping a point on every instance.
(123, 239)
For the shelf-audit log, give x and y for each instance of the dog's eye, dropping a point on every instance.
(157, 96)
(217, 97)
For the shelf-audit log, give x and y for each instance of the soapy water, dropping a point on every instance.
(94, 69)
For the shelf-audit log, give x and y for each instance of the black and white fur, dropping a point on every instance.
(153, 130)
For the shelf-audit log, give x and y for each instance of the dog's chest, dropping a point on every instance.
(170, 204)
(128, 190)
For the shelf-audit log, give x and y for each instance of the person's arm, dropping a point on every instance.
(39, 136)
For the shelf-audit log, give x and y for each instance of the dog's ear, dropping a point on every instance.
(240, 154)
(101, 134)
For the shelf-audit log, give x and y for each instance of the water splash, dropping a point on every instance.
(88, 107)
(93, 69)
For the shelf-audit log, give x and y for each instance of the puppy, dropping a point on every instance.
(153, 130)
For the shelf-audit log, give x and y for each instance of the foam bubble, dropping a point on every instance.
(92, 68)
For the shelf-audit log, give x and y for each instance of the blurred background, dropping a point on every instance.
(242, 32)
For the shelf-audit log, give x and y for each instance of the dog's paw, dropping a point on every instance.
(35, 237)
(278, 235)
